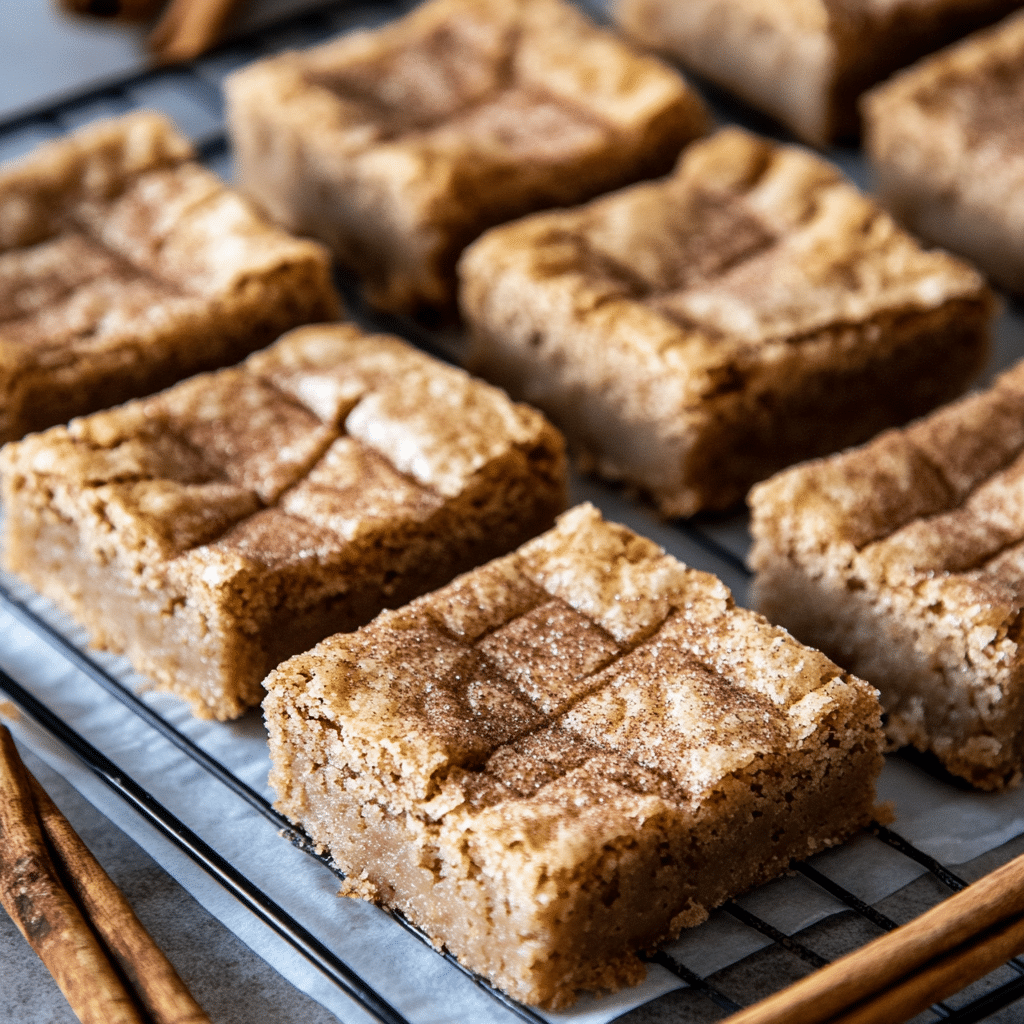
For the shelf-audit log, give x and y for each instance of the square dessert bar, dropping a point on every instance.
(946, 144)
(805, 62)
(695, 334)
(214, 529)
(568, 755)
(904, 560)
(126, 266)
(399, 146)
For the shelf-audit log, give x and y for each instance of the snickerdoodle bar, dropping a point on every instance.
(568, 755)
(398, 146)
(695, 334)
(904, 561)
(214, 529)
(945, 141)
(126, 266)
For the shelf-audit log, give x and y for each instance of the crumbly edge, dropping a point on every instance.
(945, 687)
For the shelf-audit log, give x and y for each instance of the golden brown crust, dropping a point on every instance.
(903, 559)
(567, 755)
(252, 511)
(118, 253)
(399, 146)
(946, 142)
(694, 334)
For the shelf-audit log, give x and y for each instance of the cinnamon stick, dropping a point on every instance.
(942, 978)
(188, 28)
(121, 10)
(953, 943)
(150, 973)
(32, 894)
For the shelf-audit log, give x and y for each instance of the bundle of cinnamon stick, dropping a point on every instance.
(75, 917)
(897, 976)
(186, 29)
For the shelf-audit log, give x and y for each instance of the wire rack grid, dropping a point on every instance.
(191, 96)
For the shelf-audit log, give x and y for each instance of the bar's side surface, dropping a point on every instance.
(780, 59)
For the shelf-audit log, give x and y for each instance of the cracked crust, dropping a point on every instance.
(946, 144)
(695, 334)
(400, 145)
(569, 754)
(904, 559)
(805, 62)
(218, 527)
(125, 266)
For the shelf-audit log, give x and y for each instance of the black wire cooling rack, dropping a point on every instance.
(191, 96)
